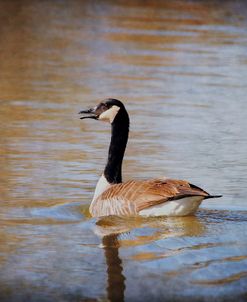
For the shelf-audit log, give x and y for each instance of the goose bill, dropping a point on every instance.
(91, 112)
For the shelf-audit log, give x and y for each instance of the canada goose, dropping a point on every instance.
(155, 197)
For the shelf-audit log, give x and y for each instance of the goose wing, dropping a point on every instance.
(131, 197)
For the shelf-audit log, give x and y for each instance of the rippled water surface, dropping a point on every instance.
(180, 67)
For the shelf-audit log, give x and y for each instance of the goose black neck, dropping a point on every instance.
(119, 138)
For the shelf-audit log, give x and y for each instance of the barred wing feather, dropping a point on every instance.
(131, 197)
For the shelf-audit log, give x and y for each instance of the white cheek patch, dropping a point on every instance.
(109, 115)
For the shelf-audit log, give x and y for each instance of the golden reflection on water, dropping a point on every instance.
(180, 68)
(163, 228)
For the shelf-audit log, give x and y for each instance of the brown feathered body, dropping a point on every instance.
(136, 197)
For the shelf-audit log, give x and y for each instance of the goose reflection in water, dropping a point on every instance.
(116, 232)
(116, 279)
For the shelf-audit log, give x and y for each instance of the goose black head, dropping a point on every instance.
(107, 111)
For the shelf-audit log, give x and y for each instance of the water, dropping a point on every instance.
(180, 68)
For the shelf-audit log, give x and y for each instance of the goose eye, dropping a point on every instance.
(103, 106)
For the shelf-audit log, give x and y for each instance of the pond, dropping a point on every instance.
(180, 67)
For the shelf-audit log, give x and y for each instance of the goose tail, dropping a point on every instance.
(213, 196)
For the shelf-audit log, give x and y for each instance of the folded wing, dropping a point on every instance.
(131, 197)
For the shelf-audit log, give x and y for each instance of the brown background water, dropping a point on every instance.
(180, 67)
